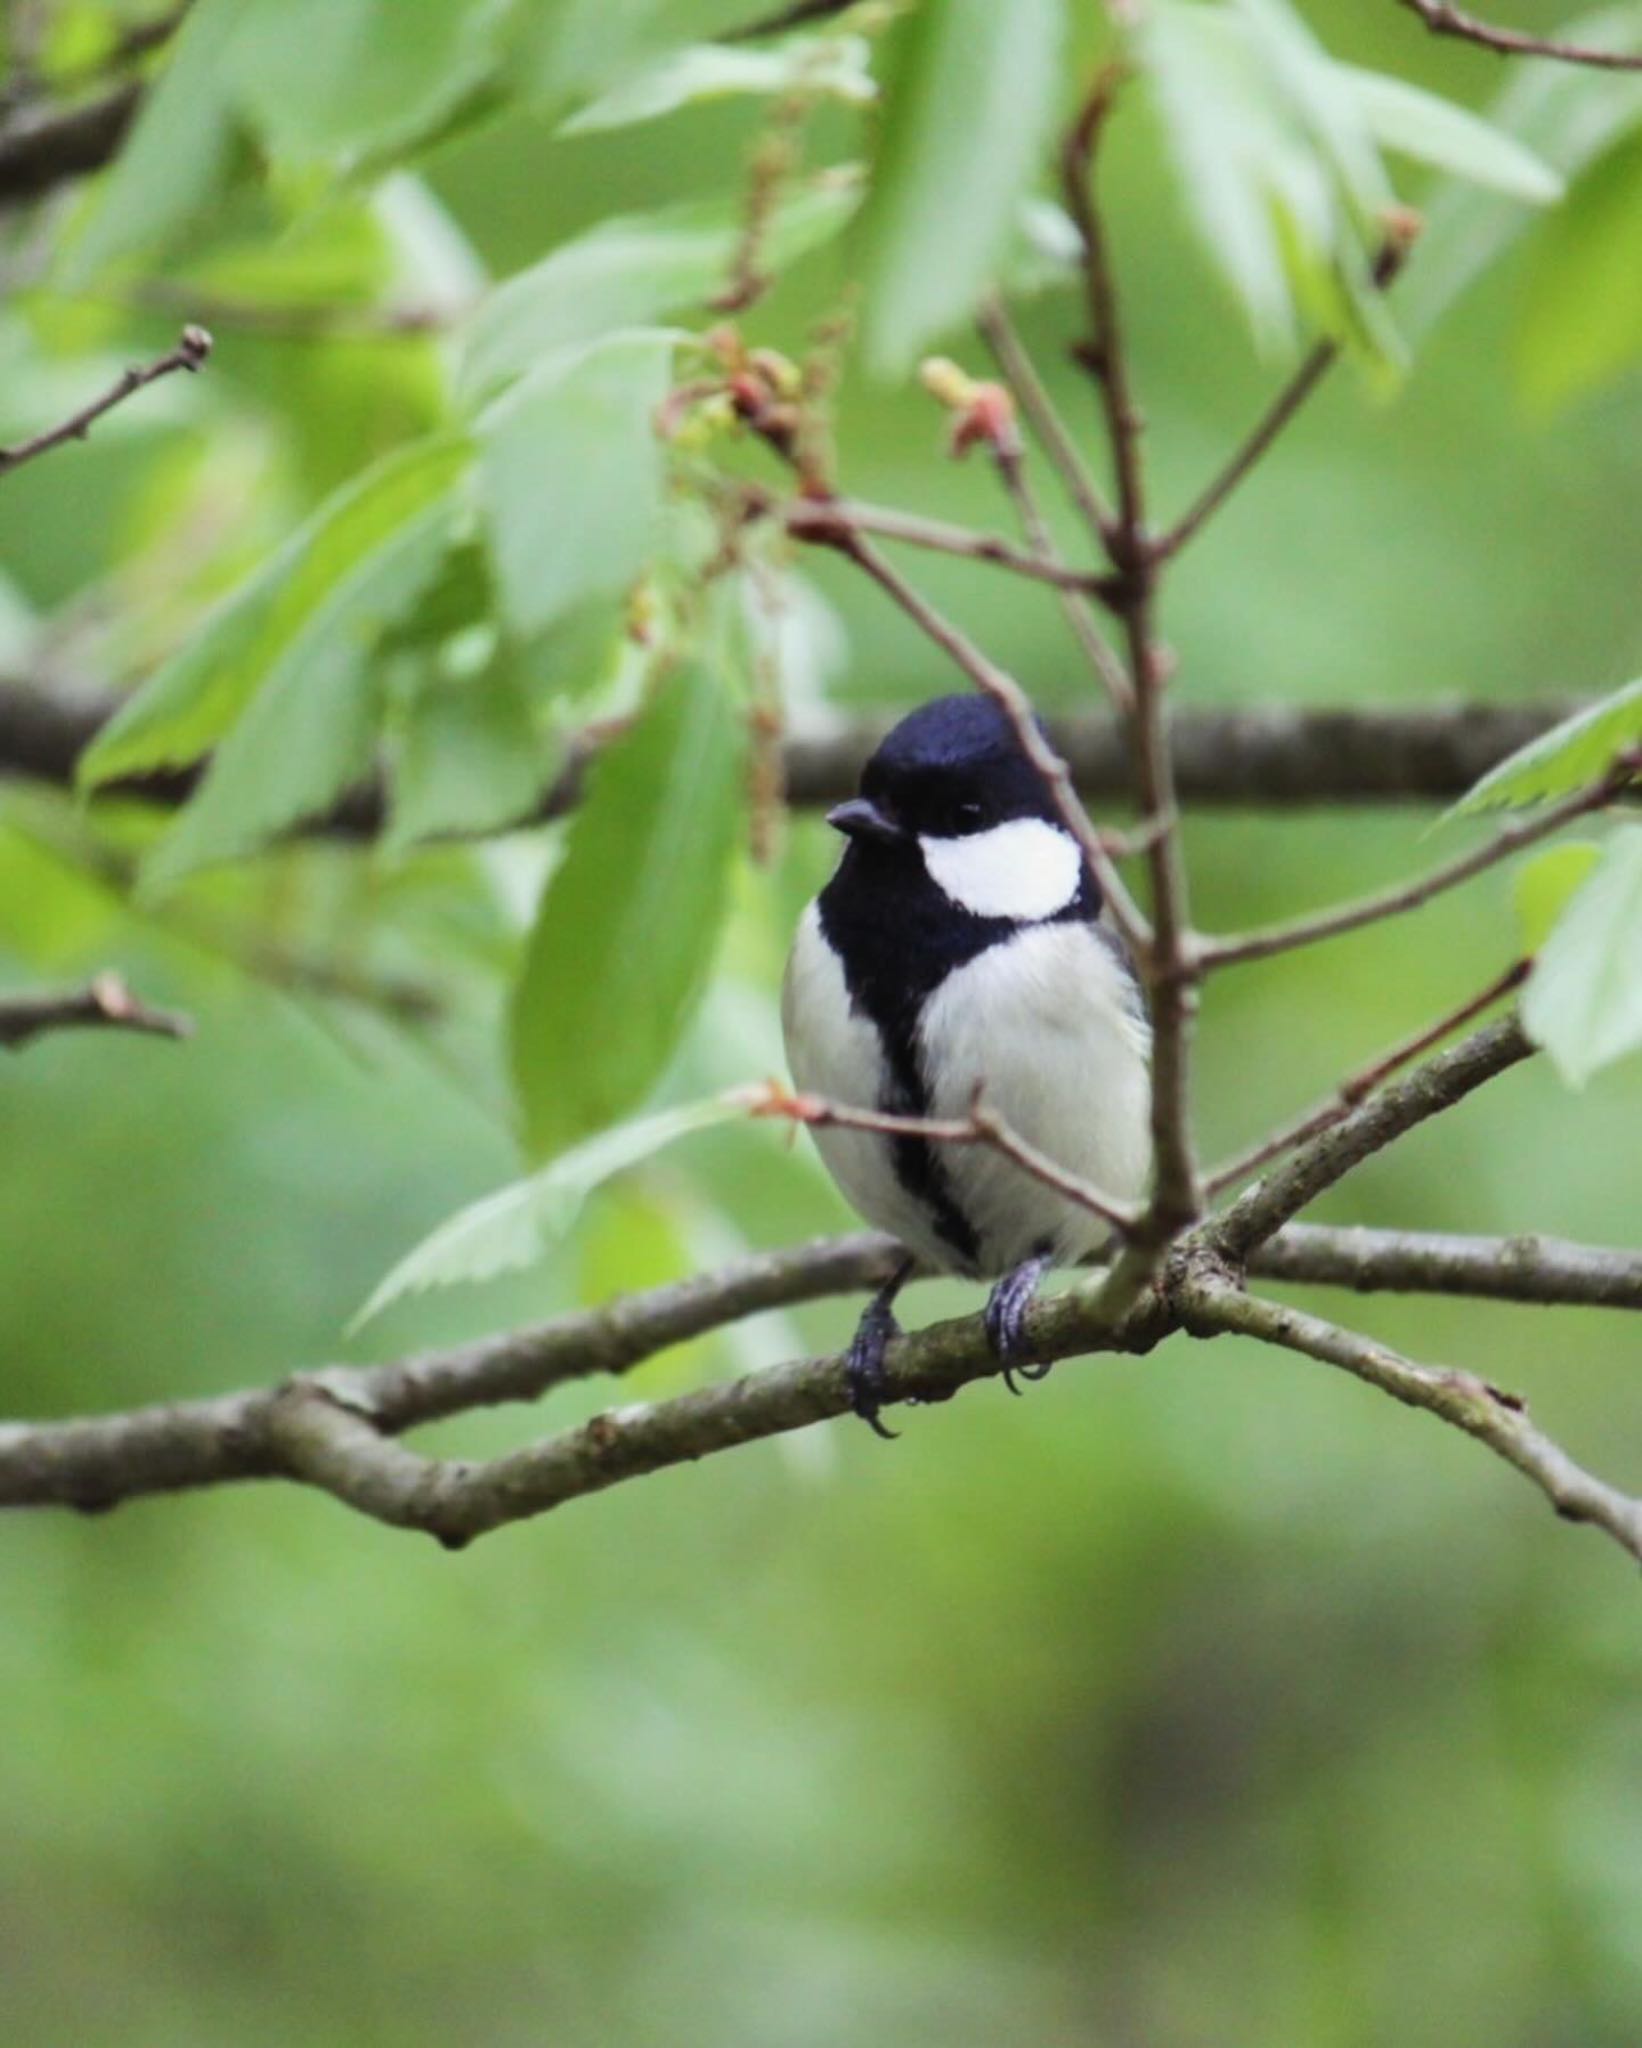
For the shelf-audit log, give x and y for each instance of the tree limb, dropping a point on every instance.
(104, 1004)
(332, 1427)
(1497, 1419)
(1273, 757)
(41, 152)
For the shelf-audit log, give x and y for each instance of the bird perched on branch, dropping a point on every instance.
(960, 947)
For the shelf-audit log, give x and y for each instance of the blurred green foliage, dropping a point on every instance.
(1195, 1701)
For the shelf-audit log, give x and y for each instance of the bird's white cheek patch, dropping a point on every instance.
(1025, 869)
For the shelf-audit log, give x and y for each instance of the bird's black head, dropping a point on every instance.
(951, 768)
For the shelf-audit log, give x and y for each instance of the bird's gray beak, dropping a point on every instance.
(861, 818)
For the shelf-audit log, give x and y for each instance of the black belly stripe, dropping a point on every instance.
(918, 1164)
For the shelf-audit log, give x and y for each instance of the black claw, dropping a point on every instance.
(1007, 1307)
(864, 1361)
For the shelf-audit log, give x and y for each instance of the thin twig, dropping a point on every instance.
(193, 346)
(1108, 671)
(1319, 360)
(807, 519)
(1039, 411)
(1333, 1153)
(1357, 1087)
(1496, 1419)
(982, 1126)
(1170, 965)
(1405, 896)
(1443, 20)
(104, 1004)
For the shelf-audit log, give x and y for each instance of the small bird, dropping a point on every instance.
(960, 946)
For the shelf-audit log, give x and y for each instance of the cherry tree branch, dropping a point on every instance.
(1212, 1307)
(190, 352)
(333, 1427)
(104, 1004)
(1444, 20)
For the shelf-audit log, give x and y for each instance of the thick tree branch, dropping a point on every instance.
(1494, 1418)
(1548, 1271)
(1273, 757)
(193, 346)
(333, 1427)
(104, 1004)
(40, 152)
(1444, 20)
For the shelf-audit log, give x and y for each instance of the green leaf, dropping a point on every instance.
(1541, 887)
(470, 756)
(830, 67)
(1564, 759)
(570, 476)
(1569, 116)
(1422, 125)
(311, 728)
(632, 270)
(174, 164)
(1279, 171)
(629, 923)
(326, 79)
(520, 1223)
(966, 121)
(1582, 312)
(1583, 1002)
(273, 621)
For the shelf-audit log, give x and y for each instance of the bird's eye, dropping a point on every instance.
(968, 816)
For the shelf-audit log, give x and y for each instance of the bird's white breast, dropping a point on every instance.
(1043, 1023)
(1024, 869)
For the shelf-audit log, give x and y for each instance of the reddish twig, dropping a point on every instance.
(1443, 20)
(1366, 1081)
(807, 518)
(192, 348)
(982, 1126)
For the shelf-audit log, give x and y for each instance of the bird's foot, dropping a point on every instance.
(864, 1361)
(1006, 1312)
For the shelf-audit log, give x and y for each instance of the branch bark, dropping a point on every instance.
(1277, 758)
(37, 154)
(334, 1428)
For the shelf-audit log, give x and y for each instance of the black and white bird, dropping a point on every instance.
(960, 945)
